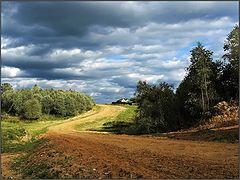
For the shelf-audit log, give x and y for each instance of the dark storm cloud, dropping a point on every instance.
(29, 63)
(54, 23)
(64, 22)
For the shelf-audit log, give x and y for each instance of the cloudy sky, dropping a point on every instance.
(104, 48)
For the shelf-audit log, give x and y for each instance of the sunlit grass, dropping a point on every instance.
(127, 116)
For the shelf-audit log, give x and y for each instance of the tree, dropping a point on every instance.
(156, 108)
(197, 93)
(71, 106)
(47, 104)
(32, 109)
(20, 97)
(7, 101)
(54, 102)
(231, 46)
(229, 76)
(200, 69)
(59, 103)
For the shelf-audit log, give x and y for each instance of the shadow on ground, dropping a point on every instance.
(226, 135)
(223, 135)
(118, 127)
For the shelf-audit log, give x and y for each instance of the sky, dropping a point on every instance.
(104, 48)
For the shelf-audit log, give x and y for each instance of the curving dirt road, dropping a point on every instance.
(71, 154)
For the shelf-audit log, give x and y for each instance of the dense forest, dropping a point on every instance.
(207, 82)
(33, 103)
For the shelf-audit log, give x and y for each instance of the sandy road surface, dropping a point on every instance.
(92, 155)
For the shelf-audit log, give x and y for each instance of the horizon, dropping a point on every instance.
(103, 49)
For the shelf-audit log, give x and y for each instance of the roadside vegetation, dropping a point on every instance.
(206, 83)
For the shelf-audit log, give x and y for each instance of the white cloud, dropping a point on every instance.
(73, 54)
(11, 72)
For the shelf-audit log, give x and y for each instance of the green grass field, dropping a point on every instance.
(105, 124)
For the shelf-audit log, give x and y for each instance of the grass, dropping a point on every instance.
(32, 127)
(128, 115)
(124, 118)
(20, 135)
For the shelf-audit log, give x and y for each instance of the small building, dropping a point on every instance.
(123, 101)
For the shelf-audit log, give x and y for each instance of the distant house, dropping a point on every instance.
(123, 101)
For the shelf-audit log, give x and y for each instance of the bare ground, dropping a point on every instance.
(72, 154)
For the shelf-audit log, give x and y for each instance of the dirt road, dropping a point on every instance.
(104, 111)
(71, 154)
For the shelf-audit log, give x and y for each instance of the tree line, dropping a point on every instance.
(207, 82)
(35, 102)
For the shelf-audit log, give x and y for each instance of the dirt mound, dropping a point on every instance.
(226, 115)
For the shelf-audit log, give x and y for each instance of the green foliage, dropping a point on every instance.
(200, 72)
(156, 108)
(231, 47)
(6, 87)
(35, 102)
(196, 94)
(32, 109)
(7, 101)
(47, 104)
(71, 106)
(13, 134)
(228, 79)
